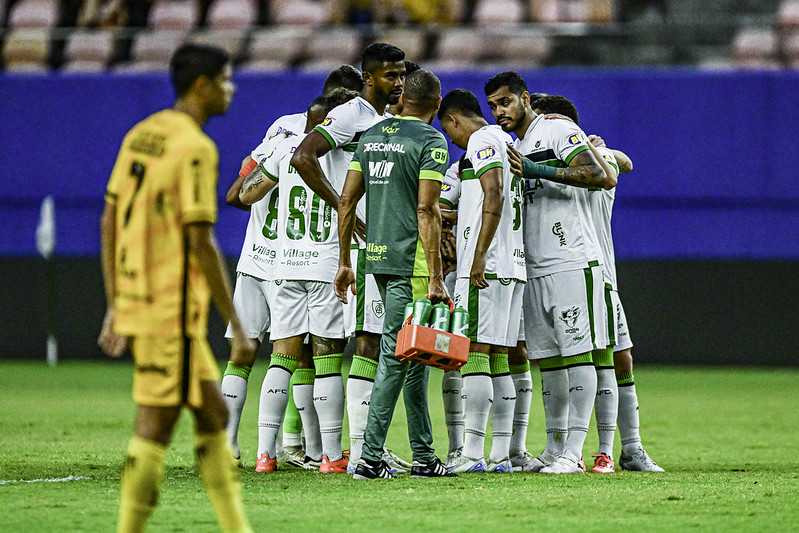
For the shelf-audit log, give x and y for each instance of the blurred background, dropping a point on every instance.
(701, 95)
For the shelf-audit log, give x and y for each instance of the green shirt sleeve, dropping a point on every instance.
(435, 158)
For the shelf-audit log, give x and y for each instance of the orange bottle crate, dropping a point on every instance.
(432, 347)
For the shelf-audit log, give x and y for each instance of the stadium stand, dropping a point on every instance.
(276, 48)
(88, 51)
(490, 12)
(312, 13)
(27, 50)
(329, 49)
(174, 15)
(34, 14)
(756, 48)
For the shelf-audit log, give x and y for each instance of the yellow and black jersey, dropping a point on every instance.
(164, 178)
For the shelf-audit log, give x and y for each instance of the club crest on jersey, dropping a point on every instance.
(328, 121)
(439, 155)
(569, 317)
(486, 153)
(574, 139)
(378, 308)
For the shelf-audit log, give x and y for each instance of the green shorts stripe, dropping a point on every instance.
(360, 289)
(611, 317)
(474, 312)
(589, 295)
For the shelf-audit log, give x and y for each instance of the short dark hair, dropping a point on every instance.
(512, 80)
(557, 104)
(345, 76)
(410, 66)
(463, 101)
(379, 53)
(339, 96)
(422, 87)
(191, 61)
(534, 97)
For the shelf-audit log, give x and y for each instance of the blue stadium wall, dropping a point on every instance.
(706, 226)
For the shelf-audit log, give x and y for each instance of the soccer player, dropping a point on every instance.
(302, 299)
(254, 279)
(564, 292)
(383, 73)
(616, 397)
(491, 274)
(399, 164)
(161, 267)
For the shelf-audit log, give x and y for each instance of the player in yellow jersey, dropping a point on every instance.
(161, 267)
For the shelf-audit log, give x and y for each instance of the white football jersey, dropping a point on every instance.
(559, 232)
(258, 252)
(307, 237)
(343, 128)
(451, 187)
(602, 210)
(488, 149)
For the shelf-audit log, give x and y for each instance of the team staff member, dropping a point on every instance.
(161, 267)
(399, 164)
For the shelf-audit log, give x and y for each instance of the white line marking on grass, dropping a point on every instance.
(48, 480)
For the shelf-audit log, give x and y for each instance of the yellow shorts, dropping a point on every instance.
(164, 377)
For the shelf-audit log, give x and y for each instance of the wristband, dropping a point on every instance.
(534, 170)
(246, 169)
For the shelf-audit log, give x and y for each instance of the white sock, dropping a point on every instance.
(606, 408)
(303, 398)
(628, 419)
(523, 384)
(477, 396)
(234, 391)
(329, 403)
(292, 439)
(271, 408)
(501, 415)
(359, 393)
(555, 394)
(582, 394)
(451, 385)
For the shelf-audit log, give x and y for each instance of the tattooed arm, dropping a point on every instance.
(583, 171)
(255, 186)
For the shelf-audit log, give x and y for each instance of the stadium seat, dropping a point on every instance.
(410, 40)
(26, 50)
(230, 40)
(336, 45)
(89, 51)
(307, 12)
(276, 48)
(756, 48)
(152, 50)
(490, 12)
(519, 47)
(788, 14)
(232, 14)
(460, 45)
(790, 48)
(34, 14)
(585, 11)
(174, 15)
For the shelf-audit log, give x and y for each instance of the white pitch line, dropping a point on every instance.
(48, 480)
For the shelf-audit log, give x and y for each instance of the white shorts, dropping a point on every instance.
(618, 332)
(494, 312)
(521, 328)
(300, 307)
(564, 313)
(251, 302)
(363, 311)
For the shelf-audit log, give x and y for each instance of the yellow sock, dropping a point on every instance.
(221, 479)
(141, 481)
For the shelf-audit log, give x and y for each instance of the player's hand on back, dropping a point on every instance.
(515, 159)
(345, 279)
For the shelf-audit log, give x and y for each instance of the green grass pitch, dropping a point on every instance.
(728, 439)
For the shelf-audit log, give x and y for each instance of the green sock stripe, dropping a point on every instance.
(603, 358)
(363, 367)
(519, 369)
(303, 376)
(498, 363)
(284, 361)
(292, 423)
(327, 365)
(581, 359)
(625, 377)
(550, 363)
(236, 370)
(478, 364)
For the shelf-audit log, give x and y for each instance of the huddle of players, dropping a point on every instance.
(526, 233)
